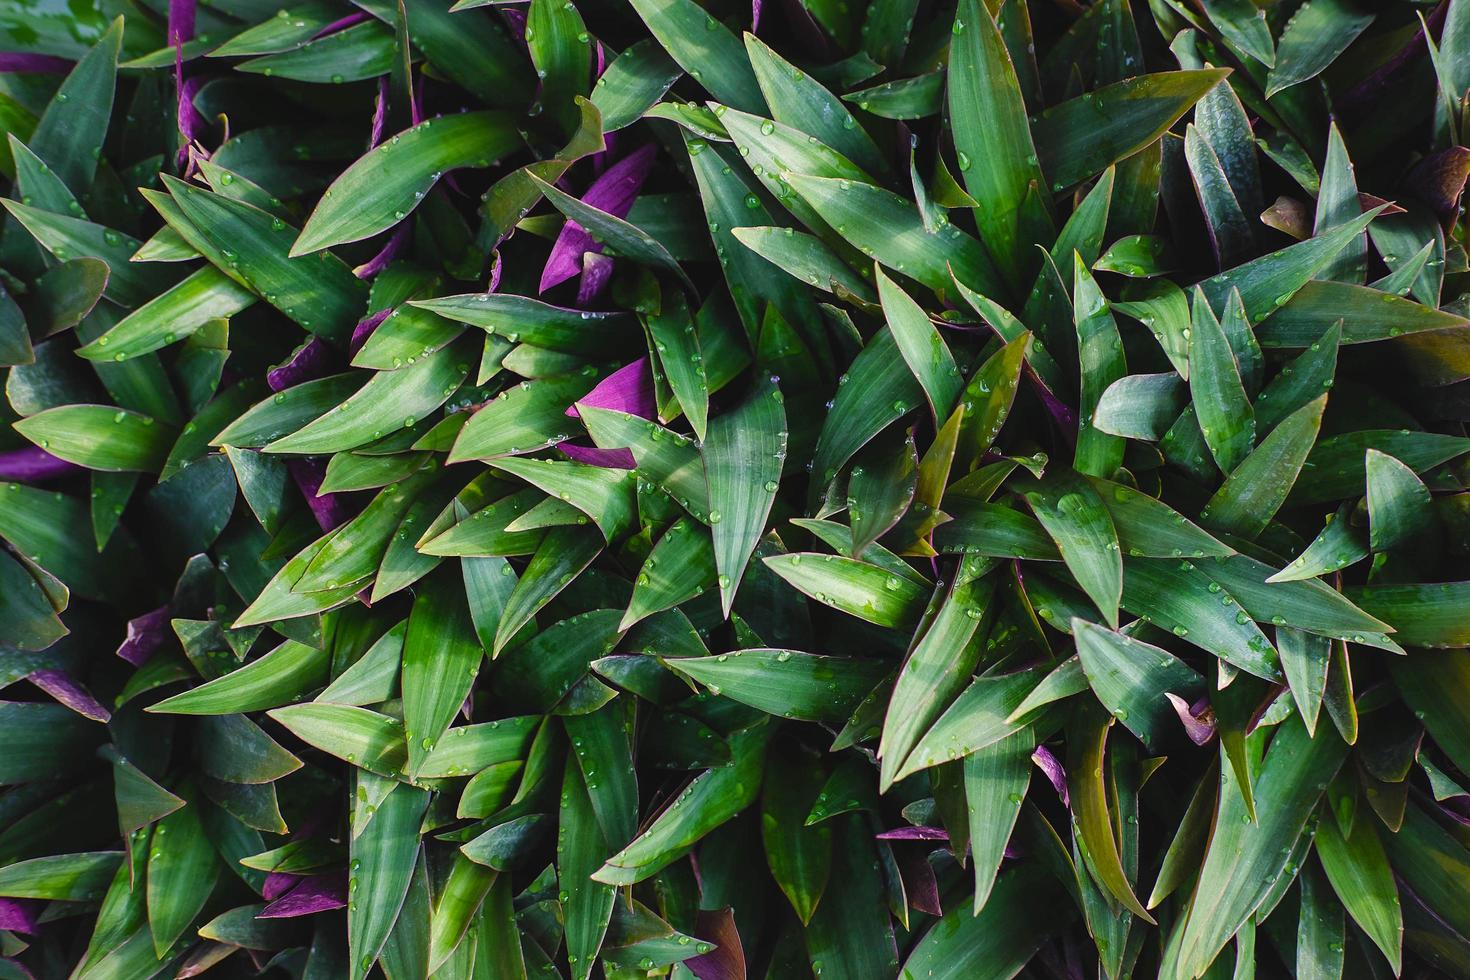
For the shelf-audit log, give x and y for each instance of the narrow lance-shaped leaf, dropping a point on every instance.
(1218, 395)
(380, 189)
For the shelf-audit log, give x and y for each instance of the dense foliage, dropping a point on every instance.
(625, 488)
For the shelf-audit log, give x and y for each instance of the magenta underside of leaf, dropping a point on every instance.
(614, 193)
(146, 633)
(19, 915)
(307, 362)
(69, 692)
(32, 464)
(1051, 767)
(26, 62)
(316, 893)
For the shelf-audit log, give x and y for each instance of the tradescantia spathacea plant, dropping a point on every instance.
(654, 488)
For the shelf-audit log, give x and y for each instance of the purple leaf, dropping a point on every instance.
(278, 883)
(21, 61)
(613, 459)
(389, 252)
(919, 882)
(915, 833)
(365, 328)
(329, 509)
(69, 692)
(305, 363)
(19, 915)
(1060, 411)
(596, 271)
(319, 893)
(755, 16)
(1053, 770)
(613, 192)
(1199, 722)
(628, 389)
(33, 465)
(190, 121)
(341, 24)
(727, 960)
(1439, 179)
(146, 633)
(181, 21)
(515, 21)
(380, 113)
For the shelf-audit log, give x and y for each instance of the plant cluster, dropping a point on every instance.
(662, 488)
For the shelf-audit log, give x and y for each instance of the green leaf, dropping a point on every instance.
(677, 347)
(441, 656)
(542, 670)
(629, 240)
(889, 230)
(475, 52)
(1001, 939)
(743, 458)
(993, 142)
(562, 555)
(664, 457)
(182, 869)
(287, 411)
(383, 858)
(634, 81)
(82, 877)
(605, 495)
(70, 132)
(1083, 136)
(923, 349)
(1131, 677)
(803, 103)
(980, 716)
(65, 237)
(879, 389)
(680, 567)
(1399, 506)
(996, 779)
(359, 52)
(1244, 858)
(787, 683)
(364, 738)
(857, 588)
(1075, 517)
(522, 419)
(1100, 354)
(378, 190)
(1217, 393)
(173, 315)
(804, 257)
(1177, 596)
(1338, 465)
(277, 678)
(1359, 872)
(99, 437)
(1255, 490)
(391, 400)
(581, 850)
(1269, 282)
(799, 856)
(319, 293)
(531, 321)
(601, 744)
(712, 799)
(1091, 820)
(705, 49)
